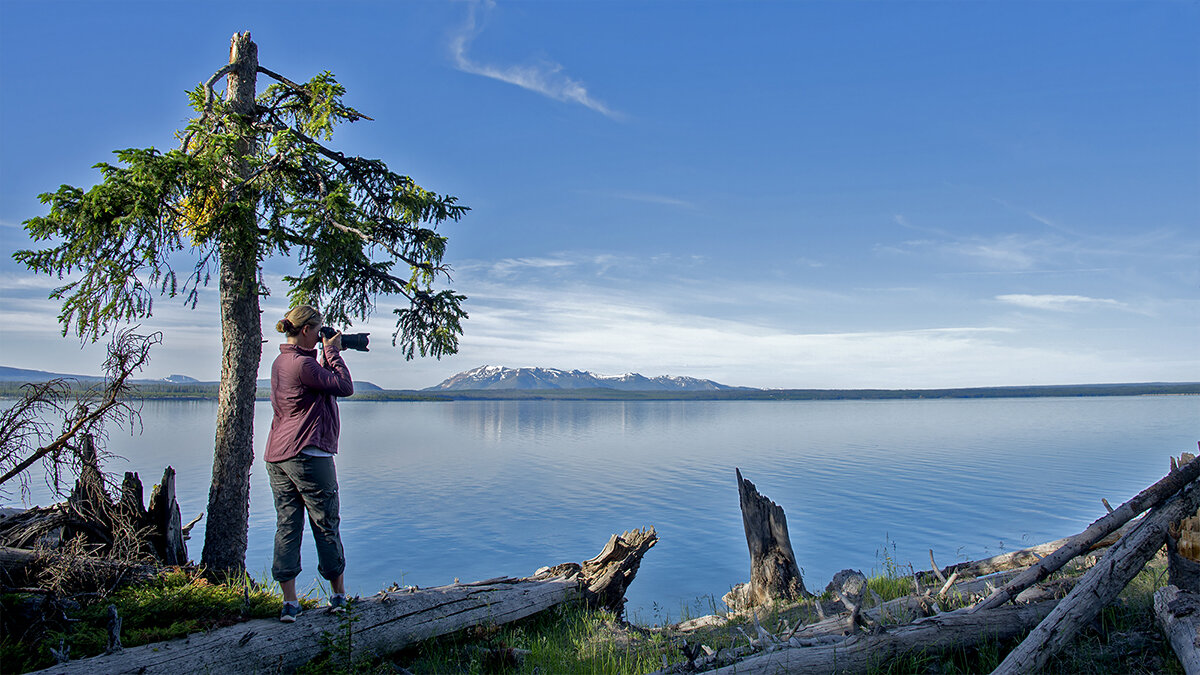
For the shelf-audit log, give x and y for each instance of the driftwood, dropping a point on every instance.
(1017, 560)
(384, 623)
(381, 624)
(609, 574)
(1178, 614)
(1100, 585)
(865, 650)
(1149, 498)
(774, 574)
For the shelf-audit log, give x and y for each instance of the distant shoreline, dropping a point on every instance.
(208, 391)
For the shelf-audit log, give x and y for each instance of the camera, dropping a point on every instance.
(356, 341)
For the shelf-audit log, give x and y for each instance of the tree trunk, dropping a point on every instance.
(225, 533)
(1178, 613)
(774, 574)
(1099, 586)
(1146, 499)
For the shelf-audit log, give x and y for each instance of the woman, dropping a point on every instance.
(299, 454)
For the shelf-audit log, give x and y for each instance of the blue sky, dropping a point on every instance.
(773, 194)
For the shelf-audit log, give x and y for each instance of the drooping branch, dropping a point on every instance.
(128, 353)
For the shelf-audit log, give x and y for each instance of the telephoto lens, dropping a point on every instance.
(355, 341)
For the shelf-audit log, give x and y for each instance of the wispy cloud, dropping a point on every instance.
(510, 266)
(655, 199)
(547, 79)
(1060, 303)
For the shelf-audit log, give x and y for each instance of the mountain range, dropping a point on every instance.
(10, 374)
(499, 377)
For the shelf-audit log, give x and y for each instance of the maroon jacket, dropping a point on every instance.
(302, 396)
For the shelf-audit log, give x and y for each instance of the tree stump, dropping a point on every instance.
(167, 525)
(774, 574)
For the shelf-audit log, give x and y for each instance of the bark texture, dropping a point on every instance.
(382, 624)
(1178, 613)
(863, 651)
(1099, 586)
(225, 534)
(774, 574)
(608, 575)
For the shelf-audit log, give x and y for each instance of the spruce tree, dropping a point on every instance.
(253, 177)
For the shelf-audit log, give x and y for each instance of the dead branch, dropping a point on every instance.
(1147, 499)
(1100, 585)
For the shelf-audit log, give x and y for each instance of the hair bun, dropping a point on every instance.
(284, 326)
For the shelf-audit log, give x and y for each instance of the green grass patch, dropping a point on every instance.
(172, 605)
(567, 640)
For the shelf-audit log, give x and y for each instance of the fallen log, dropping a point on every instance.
(1178, 614)
(864, 650)
(774, 574)
(1149, 498)
(384, 623)
(1100, 585)
(1018, 560)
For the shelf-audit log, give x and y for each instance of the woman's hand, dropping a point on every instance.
(335, 341)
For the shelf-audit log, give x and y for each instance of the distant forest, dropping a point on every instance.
(203, 391)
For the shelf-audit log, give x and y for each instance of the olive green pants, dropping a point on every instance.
(306, 484)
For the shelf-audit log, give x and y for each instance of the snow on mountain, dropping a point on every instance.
(180, 379)
(499, 377)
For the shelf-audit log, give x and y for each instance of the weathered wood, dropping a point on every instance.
(166, 524)
(1100, 585)
(17, 564)
(608, 575)
(90, 512)
(774, 574)
(948, 630)
(1178, 614)
(382, 624)
(1022, 559)
(1149, 498)
(89, 495)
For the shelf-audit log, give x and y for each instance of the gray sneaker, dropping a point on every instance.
(338, 603)
(289, 613)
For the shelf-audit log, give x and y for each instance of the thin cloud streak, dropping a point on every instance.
(1060, 303)
(546, 79)
(655, 199)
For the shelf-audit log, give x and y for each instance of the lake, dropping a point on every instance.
(472, 490)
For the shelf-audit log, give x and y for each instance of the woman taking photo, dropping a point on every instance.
(299, 454)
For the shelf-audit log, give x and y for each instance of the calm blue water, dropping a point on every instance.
(435, 491)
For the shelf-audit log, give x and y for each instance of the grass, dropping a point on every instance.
(568, 639)
(172, 605)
